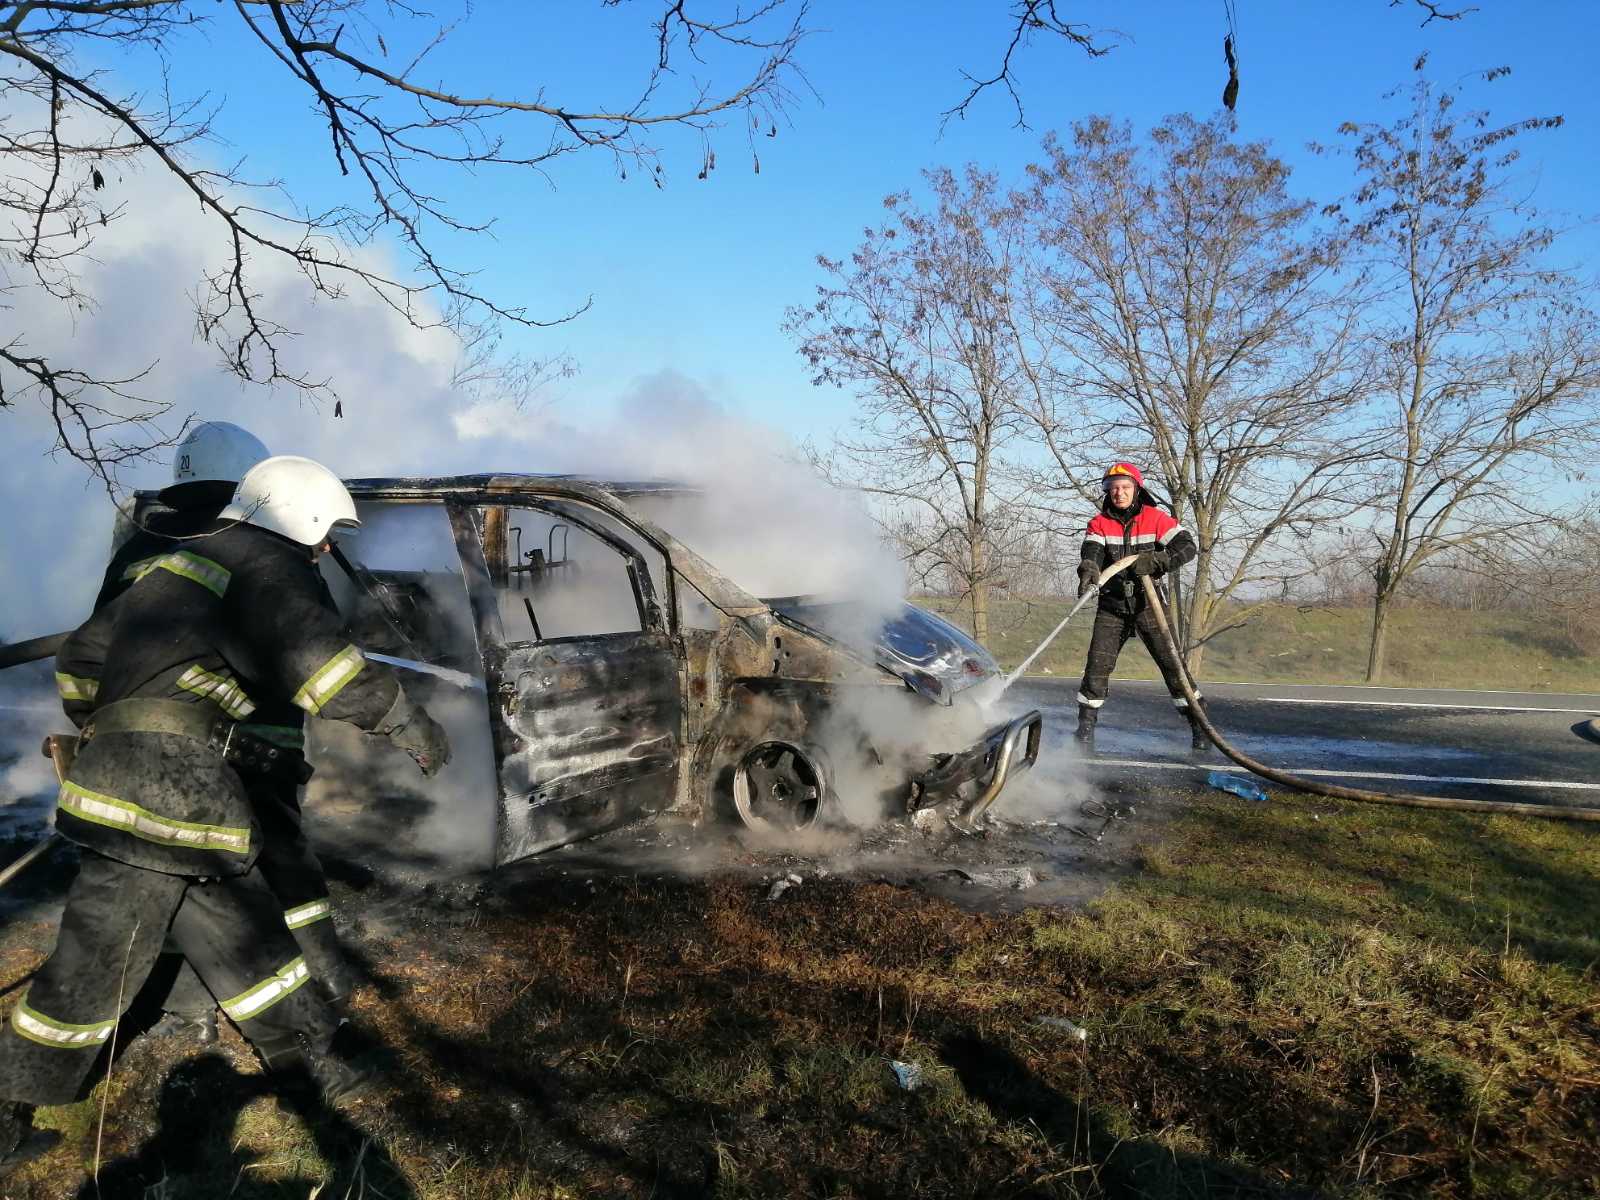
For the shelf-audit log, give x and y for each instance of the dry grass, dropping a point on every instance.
(1278, 1006)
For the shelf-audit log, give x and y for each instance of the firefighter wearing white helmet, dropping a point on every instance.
(164, 682)
(295, 498)
(207, 468)
(216, 452)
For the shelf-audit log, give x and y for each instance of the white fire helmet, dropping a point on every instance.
(294, 496)
(216, 452)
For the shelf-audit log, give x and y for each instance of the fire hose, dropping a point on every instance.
(1400, 799)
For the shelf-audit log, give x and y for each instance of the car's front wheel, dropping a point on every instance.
(779, 787)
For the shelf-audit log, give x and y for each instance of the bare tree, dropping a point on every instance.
(916, 322)
(1489, 354)
(1200, 325)
(393, 131)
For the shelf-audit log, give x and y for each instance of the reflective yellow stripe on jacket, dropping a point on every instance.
(329, 680)
(210, 575)
(77, 687)
(221, 689)
(152, 827)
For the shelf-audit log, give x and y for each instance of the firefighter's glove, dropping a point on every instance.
(424, 739)
(410, 727)
(1151, 562)
(1085, 585)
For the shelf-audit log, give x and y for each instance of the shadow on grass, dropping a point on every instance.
(1127, 1170)
(196, 1151)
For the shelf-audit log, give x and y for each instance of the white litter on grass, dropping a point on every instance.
(1076, 1032)
(907, 1075)
(783, 885)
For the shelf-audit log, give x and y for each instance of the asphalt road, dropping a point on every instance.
(1517, 746)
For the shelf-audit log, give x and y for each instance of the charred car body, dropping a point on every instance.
(623, 675)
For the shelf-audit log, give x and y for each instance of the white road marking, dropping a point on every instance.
(1312, 771)
(1380, 687)
(1351, 687)
(1416, 704)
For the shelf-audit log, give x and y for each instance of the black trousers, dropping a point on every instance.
(116, 919)
(1111, 633)
(291, 869)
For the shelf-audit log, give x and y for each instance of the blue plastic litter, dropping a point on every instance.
(1232, 783)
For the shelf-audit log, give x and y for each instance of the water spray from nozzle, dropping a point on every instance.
(1104, 578)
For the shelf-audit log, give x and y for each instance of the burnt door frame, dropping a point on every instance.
(657, 637)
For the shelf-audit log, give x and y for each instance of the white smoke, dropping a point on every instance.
(757, 513)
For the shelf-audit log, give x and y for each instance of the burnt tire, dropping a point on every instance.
(779, 786)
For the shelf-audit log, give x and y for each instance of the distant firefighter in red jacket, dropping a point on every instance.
(1129, 522)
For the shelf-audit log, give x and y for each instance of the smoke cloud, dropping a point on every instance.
(757, 512)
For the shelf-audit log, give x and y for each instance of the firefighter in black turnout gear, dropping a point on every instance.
(206, 470)
(1129, 522)
(165, 677)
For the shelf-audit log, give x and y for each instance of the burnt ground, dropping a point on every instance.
(1282, 999)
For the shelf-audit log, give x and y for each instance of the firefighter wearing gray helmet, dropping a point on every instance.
(160, 682)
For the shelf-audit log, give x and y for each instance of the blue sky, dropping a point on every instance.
(695, 277)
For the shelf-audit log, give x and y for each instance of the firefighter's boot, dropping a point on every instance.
(20, 1142)
(1084, 736)
(337, 1071)
(342, 1081)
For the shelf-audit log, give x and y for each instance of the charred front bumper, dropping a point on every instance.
(971, 780)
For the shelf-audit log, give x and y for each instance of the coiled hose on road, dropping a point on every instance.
(1550, 812)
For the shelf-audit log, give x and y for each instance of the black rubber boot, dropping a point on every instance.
(342, 1081)
(336, 991)
(1084, 736)
(20, 1142)
(341, 1073)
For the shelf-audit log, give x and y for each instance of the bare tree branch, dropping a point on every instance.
(1435, 11)
(1028, 19)
(389, 129)
(916, 323)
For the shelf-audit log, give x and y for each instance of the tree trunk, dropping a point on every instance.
(1380, 631)
(978, 582)
(980, 612)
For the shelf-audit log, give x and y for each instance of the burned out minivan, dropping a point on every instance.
(624, 675)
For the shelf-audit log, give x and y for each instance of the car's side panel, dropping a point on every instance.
(589, 737)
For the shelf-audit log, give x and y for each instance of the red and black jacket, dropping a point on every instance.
(1114, 535)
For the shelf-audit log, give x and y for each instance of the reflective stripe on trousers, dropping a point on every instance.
(58, 1035)
(302, 915)
(259, 997)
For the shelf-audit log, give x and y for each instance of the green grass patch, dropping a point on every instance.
(1285, 643)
